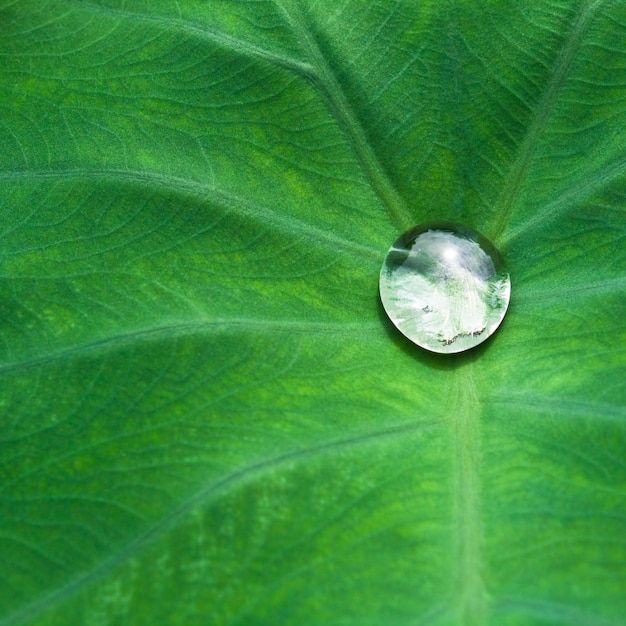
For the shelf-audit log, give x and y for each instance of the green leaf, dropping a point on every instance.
(206, 416)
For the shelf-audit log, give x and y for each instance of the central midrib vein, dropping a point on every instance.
(470, 600)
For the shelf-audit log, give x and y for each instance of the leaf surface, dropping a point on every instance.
(206, 416)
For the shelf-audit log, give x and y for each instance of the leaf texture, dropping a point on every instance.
(206, 416)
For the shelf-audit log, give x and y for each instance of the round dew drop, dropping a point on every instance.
(445, 287)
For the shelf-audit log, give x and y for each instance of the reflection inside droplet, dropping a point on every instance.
(444, 286)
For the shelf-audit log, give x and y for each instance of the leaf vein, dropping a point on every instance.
(324, 78)
(540, 118)
(232, 480)
(236, 44)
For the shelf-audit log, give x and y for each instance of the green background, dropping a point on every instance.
(206, 417)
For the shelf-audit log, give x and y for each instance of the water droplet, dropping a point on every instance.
(445, 287)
